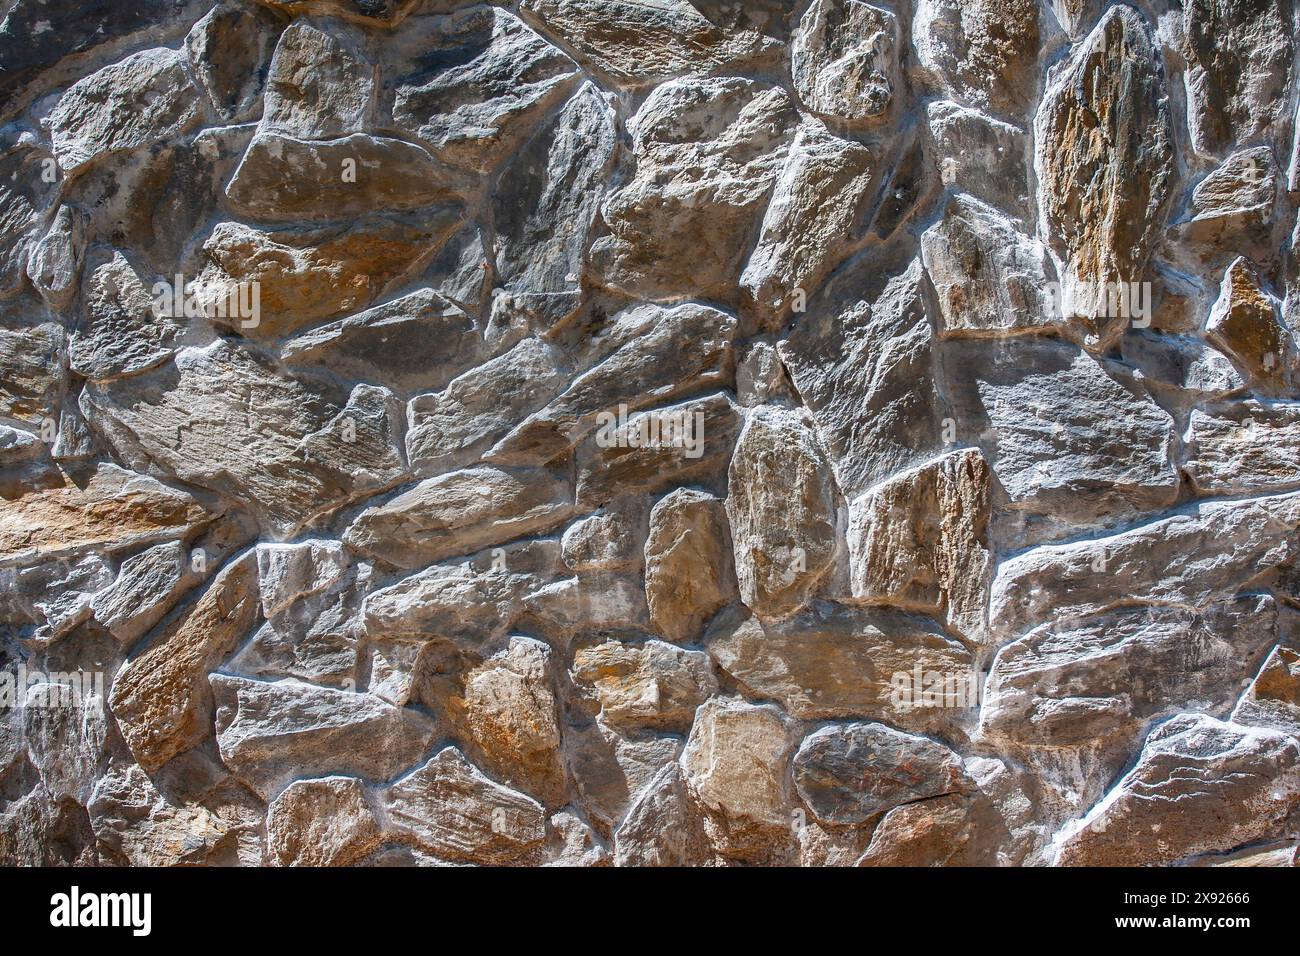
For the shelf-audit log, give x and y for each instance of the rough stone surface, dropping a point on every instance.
(708, 154)
(922, 540)
(1105, 166)
(1231, 785)
(844, 58)
(848, 773)
(980, 51)
(649, 433)
(784, 540)
(688, 563)
(323, 822)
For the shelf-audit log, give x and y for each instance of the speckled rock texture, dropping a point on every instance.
(649, 433)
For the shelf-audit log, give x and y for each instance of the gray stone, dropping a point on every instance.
(100, 114)
(989, 278)
(457, 426)
(124, 333)
(981, 155)
(848, 773)
(230, 52)
(1065, 433)
(817, 206)
(459, 513)
(781, 507)
(1238, 66)
(319, 85)
(982, 51)
(844, 59)
(225, 418)
(1081, 682)
(708, 153)
(658, 449)
(631, 378)
(1193, 557)
(1231, 785)
(637, 43)
(272, 733)
(1246, 447)
(863, 360)
(471, 85)
(545, 205)
(415, 342)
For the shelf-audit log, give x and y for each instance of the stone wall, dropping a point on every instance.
(635, 432)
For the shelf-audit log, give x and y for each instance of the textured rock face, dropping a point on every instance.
(649, 432)
(1105, 161)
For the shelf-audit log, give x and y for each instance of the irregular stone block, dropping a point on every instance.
(688, 561)
(921, 540)
(863, 360)
(226, 418)
(230, 51)
(736, 762)
(989, 278)
(271, 733)
(708, 154)
(459, 513)
(415, 342)
(645, 685)
(1064, 433)
(981, 155)
(982, 51)
(322, 822)
(63, 512)
(1193, 557)
(282, 179)
(450, 808)
(632, 377)
(1105, 164)
(100, 115)
(1083, 681)
(455, 427)
(848, 773)
(637, 43)
(831, 662)
(781, 507)
(844, 59)
(1273, 699)
(319, 85)
(546, 204)
(161, 698)
(472, 84)
(1245, 324)
(664, 447)
(1231, 785)
(1244, 448)
(509, 713)
(296, 277)
(1238, 67)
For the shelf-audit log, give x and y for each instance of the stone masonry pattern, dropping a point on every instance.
(649, 433)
